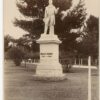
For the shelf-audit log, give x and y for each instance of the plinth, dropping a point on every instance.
(49, 67)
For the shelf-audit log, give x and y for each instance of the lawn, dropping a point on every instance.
(20, 85)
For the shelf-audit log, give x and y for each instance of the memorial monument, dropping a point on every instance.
(49, 67)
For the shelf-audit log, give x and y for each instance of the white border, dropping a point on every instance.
(1, 49)
(99, 51)
(99, 48)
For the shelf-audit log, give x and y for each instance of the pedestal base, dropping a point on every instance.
(49, 78)
(49, 72)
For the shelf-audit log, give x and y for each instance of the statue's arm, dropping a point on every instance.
(56, 10)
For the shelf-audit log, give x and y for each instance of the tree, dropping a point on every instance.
(34, 9)
(89, 45)
(29, 47)
(24, 42)
(7, 40)
(75, 19)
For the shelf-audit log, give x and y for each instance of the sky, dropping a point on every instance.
(11, 12)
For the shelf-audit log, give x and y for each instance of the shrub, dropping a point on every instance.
(66, 68)
(16, 54)
(66, 64)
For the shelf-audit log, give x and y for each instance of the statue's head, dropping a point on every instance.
(50, 1)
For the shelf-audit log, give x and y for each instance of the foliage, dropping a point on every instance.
(16, 54)
(33, 11)
(24, 42)
(67, 68)
(89, 45)
(29, 46)
(7, 39)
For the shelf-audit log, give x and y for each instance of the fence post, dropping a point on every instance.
(96, 60)
(75, 61)
(81, 61)
(89, 78)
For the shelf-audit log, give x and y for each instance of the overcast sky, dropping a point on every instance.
(11, 11)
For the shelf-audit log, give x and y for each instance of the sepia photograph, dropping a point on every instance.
(51, 49)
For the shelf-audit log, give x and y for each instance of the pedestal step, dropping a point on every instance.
(49, 78)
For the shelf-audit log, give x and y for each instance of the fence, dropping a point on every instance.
(84, 61)
(72, 61)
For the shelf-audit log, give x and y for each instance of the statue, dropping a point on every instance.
(49, 67)
(49, 18)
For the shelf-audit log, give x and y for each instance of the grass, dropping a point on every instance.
(20, 85)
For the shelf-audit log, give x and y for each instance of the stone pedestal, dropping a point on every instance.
(49, 67)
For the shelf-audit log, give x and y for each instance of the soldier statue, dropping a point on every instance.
(49, 19)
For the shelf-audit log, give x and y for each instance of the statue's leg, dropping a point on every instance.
(46, 26)
(45, 29)
(51, 32)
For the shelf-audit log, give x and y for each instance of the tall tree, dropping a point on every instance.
(89, 45)
(34, 10)
(75, 19)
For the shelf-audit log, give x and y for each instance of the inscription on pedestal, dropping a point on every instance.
(46, 54)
